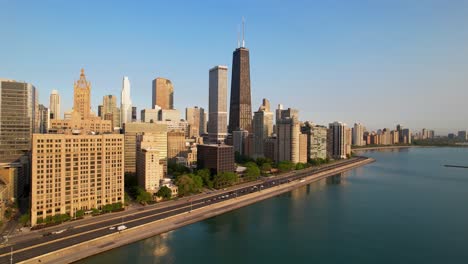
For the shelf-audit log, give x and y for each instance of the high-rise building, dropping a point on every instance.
(262, 127)
(82, 97)
(158, 140)
(462, 135)
(19, 118)
(110, 111)
(169, 115)
(358, 135)
(149, 115)
(217, 107)
(217, 158)
(239, 139)
(269, 148)
(316, 140)
(195, 116)
(44, 119)
(125, 102)
(134, 114)
(163, 93)
(175, 145)
(81, 118)
(240, 112)
(75, 172)
(337, 140)
(302, 148)
(54, 105)
(287, 136)
(149, 163)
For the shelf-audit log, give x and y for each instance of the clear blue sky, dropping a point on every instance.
(375, 62)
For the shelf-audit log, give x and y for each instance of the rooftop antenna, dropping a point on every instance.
(243, 32)
(238, 36)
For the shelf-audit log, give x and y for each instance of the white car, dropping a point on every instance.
(112, 228)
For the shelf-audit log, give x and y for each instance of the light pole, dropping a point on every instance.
(11, 255)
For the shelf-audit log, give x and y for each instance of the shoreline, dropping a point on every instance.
(102, 244)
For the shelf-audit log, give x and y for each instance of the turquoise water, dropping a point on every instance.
(404, 208)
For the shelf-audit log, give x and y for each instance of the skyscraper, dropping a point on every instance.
(54, 105)
(195, 116)
(44, 119)
(240, 113)
(19, 119)
(262, 127)
(358, 135)
(287, 136)
(163, 93)
(110, 111)
(217, 107)
(125, 102)
(134, 114)
(81, 98)
(337, 140)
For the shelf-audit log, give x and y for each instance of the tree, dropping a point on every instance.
(7, 213)
(127, 198)
(252, 171)
(266, 167)
(300, 166)
(177, 169)
(164, 192)
(79, 213)
(225, 179)
(285, 166)
(261, 160)
(189, 183)
(24, 219)
(143, 196)
(206, 177)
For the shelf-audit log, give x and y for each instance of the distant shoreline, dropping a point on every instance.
(408, 146)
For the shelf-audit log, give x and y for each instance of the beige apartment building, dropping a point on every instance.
(75, 172)
(149, 169)
(176, 145)
(157, 140)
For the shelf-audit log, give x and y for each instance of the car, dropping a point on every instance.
(47, 234)
(227, 195)
(112, 228)
(261, 186)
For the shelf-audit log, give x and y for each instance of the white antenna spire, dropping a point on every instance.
(243, 32)
(238, 36)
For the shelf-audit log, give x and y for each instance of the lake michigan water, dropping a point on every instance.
(404, 208)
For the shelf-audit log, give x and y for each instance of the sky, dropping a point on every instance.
(380, 63)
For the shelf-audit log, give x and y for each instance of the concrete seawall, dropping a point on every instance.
(105, 243)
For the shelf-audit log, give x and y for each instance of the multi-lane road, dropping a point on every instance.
(49, 242)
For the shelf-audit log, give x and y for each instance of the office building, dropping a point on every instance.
(176, 146)
(125, 102)
(169, 115)
(44, 119)
(462, 135)
(163, 93)
(54, 105)
(110, 111)
(240, 141)
(195, 116)
(240, 112)
(157, 140)
(75, 172)
(217, 107)
(150, 165)
(149, 115)
(134, 114)
(82, 97)
(262, 127)
(269, 148)
(217, 158)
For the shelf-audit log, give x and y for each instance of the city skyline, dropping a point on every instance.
(424, 77)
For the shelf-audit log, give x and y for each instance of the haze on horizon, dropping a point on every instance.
(375, 62)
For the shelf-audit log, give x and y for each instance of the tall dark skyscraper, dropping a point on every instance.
(240, 114)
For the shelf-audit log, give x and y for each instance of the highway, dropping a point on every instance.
(37, 246)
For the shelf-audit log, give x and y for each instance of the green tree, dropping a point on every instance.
(127, 198)
(285, 166)
(176, 169)
(164, 192)
(225, 179)
(261, 160)
(143, 196)
(40, 220)
(79, 213)
(24, 219)
(252, 171)
(300, 166)
(266, 167)
(206, 177)
(49, 219)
